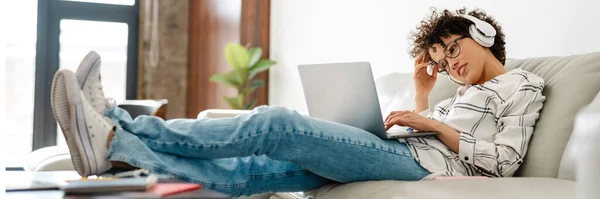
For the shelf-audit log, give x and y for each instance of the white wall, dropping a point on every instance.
(319, 31)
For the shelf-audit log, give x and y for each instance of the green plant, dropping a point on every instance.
(246, 64)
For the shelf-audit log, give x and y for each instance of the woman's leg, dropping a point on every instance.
(235, 176)
(87, 132)
(334, 151)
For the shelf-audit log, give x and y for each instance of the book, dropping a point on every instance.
(109, 185)
(165, 189)
(31, 185)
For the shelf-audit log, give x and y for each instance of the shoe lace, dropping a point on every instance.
(96, 91)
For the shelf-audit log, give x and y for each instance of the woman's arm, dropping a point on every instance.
(423, 82)
(421, 122)
(421, 102)
(499, 156)
(447, 135)
(503, 154)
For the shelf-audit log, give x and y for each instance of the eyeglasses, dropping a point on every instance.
(452, 50)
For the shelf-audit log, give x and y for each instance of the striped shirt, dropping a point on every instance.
(495, 121)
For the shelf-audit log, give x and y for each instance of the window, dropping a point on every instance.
(53, 34)
(109, 39)
(20, 78)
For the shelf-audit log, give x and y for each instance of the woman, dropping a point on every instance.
(484, 129)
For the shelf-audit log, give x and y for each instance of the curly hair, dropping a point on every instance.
(446, 23)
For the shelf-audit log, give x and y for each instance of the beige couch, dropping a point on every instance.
(571, 83)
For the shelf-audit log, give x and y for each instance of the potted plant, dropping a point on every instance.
(245, 64)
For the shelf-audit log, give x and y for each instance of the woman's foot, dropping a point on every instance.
(88, 76)
(85, 129)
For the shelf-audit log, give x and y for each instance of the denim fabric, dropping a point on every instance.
(271, 149)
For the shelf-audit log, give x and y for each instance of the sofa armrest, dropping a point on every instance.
(586, 134)
(52, 158)
(581, 158)
(221, 113)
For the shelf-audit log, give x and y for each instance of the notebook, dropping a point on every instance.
(109, 185)
(165, 189)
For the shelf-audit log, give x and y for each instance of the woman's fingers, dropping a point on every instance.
(389, 124)
(399, 119)
(419, 58)
(396, 121)
(420, 67)
(390, 115)
(435, 71)
(394, 115)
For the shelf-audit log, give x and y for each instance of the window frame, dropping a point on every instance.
(50, 13)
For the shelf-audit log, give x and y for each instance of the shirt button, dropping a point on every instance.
(519, 162)
(466, 158)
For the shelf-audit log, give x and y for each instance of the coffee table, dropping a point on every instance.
(20, 178)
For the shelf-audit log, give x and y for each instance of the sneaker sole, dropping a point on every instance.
(90, 61)
(68, 110)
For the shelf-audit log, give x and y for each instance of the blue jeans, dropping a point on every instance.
(271, 149)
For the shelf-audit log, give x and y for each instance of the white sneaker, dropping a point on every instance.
(85, 130)
(88, 76)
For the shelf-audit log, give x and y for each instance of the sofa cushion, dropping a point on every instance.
(464, 189)
(396, 91)
(571, 83)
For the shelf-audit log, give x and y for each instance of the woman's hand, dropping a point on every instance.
(423, 82)
(410, 119)
(447, 134)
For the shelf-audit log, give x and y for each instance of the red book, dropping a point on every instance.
(165, 189)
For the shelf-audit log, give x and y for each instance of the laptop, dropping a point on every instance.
(345, 93)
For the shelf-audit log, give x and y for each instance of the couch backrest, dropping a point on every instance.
(396, 91)
(571, 83)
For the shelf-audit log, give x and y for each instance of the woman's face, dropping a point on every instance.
(468, 65)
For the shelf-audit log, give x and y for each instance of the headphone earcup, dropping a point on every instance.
(481, 39)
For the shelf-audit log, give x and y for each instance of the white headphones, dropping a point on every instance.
(482, 32)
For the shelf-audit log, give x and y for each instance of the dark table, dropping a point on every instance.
(20, 178)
